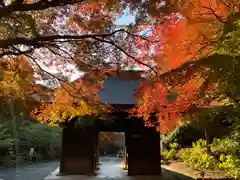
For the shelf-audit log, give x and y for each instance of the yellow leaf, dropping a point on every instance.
(55, 116)
(65, 115)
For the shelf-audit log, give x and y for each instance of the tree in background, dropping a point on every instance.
(17, 101)
(6, 142)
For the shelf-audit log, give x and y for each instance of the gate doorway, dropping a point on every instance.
(80, 148)
(110, 155)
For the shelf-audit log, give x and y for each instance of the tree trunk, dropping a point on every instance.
(15, 132)
(207, 139)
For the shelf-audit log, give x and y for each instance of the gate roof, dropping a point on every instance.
(120, 88)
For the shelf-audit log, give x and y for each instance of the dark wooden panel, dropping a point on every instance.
(78, 151)
(143, 149)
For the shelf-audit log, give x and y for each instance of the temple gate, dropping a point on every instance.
(79, 146)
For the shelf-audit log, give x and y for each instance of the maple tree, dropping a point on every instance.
(197, 58)
(18, 83)
(59, 39)
(178, 43)
(25, 31)
(77, 102)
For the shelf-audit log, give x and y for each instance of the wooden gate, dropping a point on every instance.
(143, 148)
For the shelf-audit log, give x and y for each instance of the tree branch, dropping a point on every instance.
(61, 81)
(47, 40)
(214, 13)
(195, 65)
(40, 5)
(6, 43)
(8, 53)
(126, 53)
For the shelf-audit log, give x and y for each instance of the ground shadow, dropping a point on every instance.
(172, 175)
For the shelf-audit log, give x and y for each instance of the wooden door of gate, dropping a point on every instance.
(143, 148)
(78, 151)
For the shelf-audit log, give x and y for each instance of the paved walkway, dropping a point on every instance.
(110, 170)
(183, 169)
(29, 172)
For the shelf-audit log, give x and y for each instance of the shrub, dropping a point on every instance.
(230, 165)
(227, 151)
(227, 162)
(225, 146)
(6, 141)
(200, 144)
(174, 145)
(170, 154)
(198, 157)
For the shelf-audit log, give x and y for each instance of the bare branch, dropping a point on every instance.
(6, 43)
(126, 53)
(61, 81)
(140, 36)
(7, 53)
(51, 40)
(69, 56)
(214, 13)
(40, 5)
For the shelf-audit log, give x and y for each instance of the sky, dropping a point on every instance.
(126, 19)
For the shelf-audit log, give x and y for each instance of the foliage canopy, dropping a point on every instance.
(188, 49)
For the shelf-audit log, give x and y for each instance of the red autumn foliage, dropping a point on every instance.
(180, 38)
(108, 136)
(183, 37)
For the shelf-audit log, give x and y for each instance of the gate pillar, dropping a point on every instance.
(78, 151)
(143, 147)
